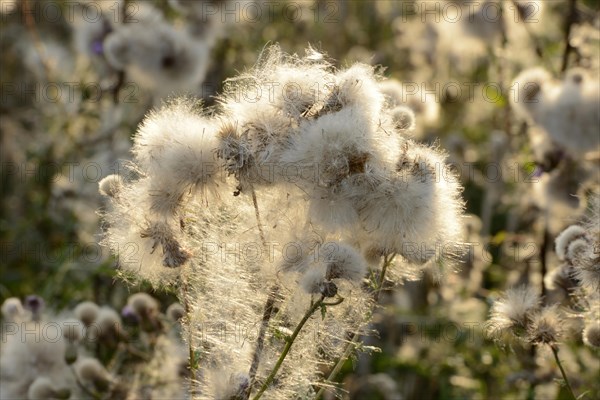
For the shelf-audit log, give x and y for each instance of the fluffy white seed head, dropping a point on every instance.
(157, 55)
(576, 249)
(43, 388)
(175, 146)
(175, 312)
(87, 312)
(529, 94)
(343, 262)
(12, 310)
(416, 209)
(108, 323)
(568, 111)
(564, 239)
(143, 305)
(404, 118)
(514, 311)
(546, 326)
(313, 279)
(591, 333)
(110, 185)
(73, 330)
(91, 370)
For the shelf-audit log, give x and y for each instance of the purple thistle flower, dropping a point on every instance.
(129, 315)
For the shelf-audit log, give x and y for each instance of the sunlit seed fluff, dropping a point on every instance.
(546, 326)
(414, 210)
(563, 240)
(162, 236)
(87, 312)
(404, 118)
(343, 262)
(12, 310)
(513, 310)
(333, 147)
(357, 86)
(175, 147)
(313, 279)
(587, 269)
(425, 106)
(576, 249)
(110, 185)
(144, 246)
(229, 386)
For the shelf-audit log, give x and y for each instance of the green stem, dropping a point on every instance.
(562, 371)
(387, 260)
(290, 341)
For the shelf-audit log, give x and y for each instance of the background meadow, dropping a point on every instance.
(507, 90)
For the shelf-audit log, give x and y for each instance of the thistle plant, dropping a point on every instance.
(91, 352)
(277, 215)
(523, 314)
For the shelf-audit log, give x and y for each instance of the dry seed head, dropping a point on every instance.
(87, 312)
(144, 305)
(591, 333)
(546, 326)
(111, 185)
(513, 312)
(563, 240)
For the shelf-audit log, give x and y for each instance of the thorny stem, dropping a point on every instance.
(290, 341)
(562, 371)
(267, 310)
(351, 346)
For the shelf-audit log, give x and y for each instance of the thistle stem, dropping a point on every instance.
(268, 308)
(571, 19)
(387, 260)
(267, 312)
(290, 341)
(82, 386)
(562, 371)
(188, 316)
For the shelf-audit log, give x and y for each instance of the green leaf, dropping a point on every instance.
(323, 311)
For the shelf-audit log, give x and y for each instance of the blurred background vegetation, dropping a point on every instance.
(57, 144)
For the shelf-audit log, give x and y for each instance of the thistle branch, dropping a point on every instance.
(267, 310)
(562, 371)
(290, 341)
(351, 346)
(571, 17)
